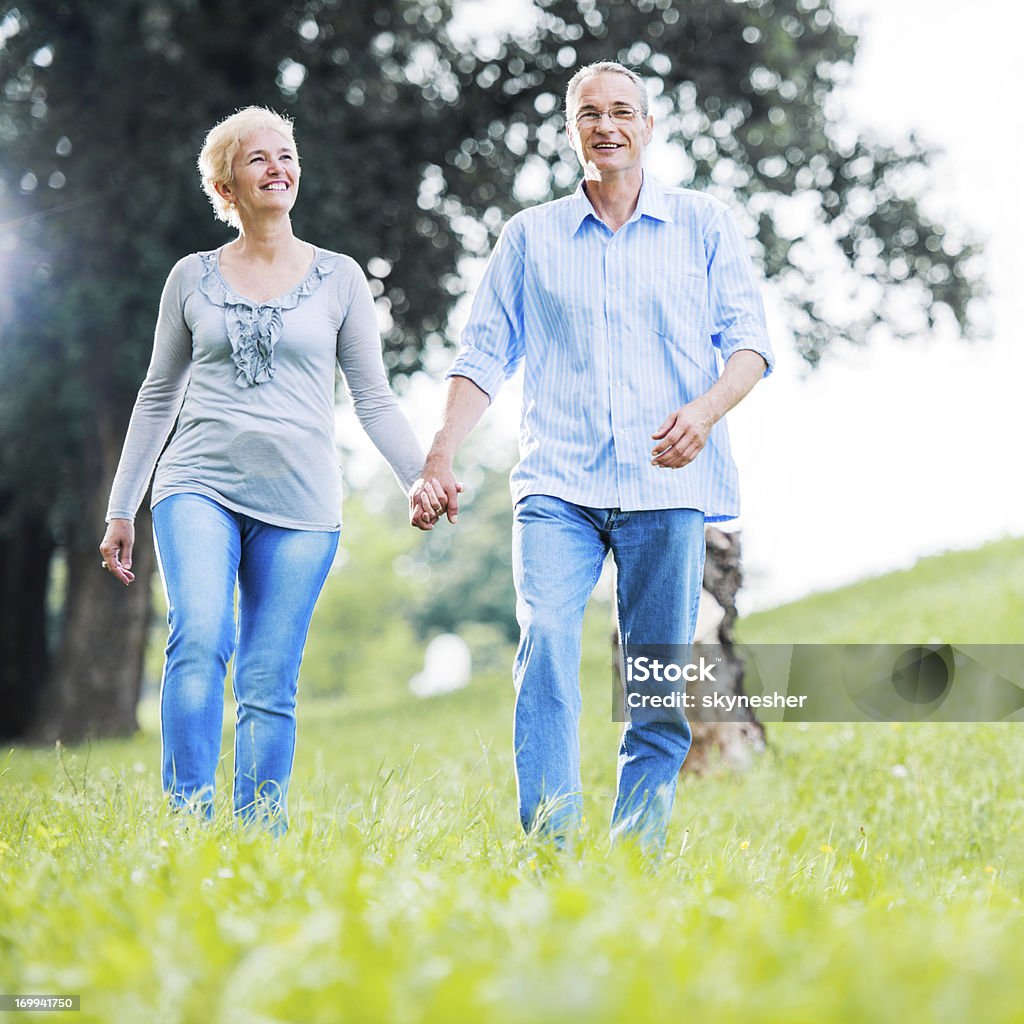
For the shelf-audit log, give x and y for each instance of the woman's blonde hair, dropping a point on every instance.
(221, 146)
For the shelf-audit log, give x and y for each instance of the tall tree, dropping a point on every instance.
(104, 109)
(416, 146)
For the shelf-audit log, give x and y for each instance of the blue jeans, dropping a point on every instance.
(203, 548)
(558, 551)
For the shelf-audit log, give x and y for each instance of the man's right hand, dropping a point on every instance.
(435, 493)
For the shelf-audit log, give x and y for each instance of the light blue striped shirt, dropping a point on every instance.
(615, 331)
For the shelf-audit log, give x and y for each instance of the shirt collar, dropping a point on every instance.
(650, 203)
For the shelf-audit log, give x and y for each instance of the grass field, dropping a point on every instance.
(856, 873)
(963, 597)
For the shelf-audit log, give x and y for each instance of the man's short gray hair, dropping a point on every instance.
(587, 72)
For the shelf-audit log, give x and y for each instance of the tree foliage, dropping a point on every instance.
(416, 142)
(466, 574)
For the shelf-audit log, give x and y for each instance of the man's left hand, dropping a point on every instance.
(683, 434)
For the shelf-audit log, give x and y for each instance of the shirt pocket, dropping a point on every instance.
(676, 301)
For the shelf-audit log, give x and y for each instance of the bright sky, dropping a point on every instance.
(885, 455)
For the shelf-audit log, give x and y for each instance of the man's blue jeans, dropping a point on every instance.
(203, 548)
(558, 551)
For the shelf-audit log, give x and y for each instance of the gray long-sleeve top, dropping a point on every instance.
(251, 386)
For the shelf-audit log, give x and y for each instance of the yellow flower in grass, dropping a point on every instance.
(825, 848)
(744, 844)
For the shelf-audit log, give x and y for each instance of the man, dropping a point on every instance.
(619, 301)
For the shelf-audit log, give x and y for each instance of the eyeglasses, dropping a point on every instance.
(617, 115)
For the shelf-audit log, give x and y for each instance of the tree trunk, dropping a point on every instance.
(734, 742)
(97, 674)
(26, 551)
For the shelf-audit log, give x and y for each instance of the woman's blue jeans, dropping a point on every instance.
(203, 549)
(558, 551)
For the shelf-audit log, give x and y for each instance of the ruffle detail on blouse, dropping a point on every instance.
(254, 327)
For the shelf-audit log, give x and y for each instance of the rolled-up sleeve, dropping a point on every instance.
(492, 341)
(735, 306)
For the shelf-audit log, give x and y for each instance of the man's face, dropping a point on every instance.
(609, 145)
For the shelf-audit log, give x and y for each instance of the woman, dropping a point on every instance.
(248, 489)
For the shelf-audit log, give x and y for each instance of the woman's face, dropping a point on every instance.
(265, 175)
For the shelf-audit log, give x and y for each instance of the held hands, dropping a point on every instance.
(683, 434)
(433, 494)
(116, 548)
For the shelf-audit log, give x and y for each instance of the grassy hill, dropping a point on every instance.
(962, 597)
(856, 873)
